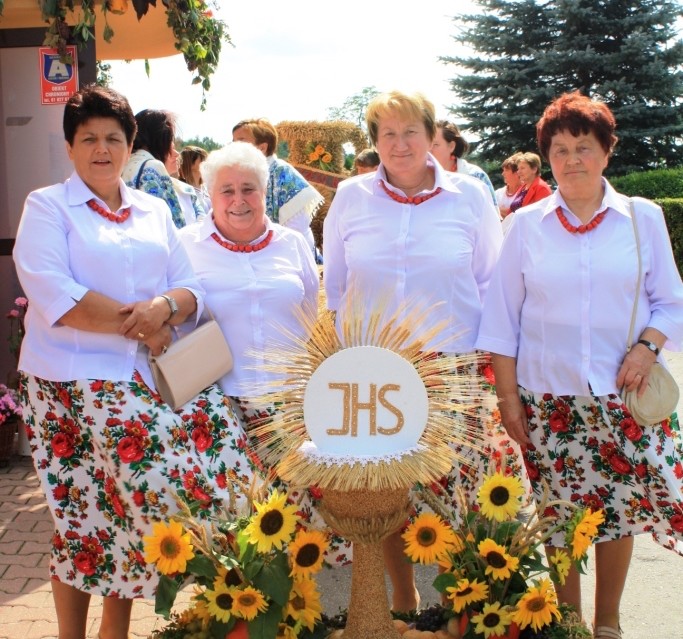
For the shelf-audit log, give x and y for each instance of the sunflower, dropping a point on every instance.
(560, 559)
(537, 607)
(227, 577)
(219, 602)
(285, 631)
(273, 523)
(304, 603)
(499, 496)
(306, 552)
(499, 564)
(247, 603)
(168, 547)
(467, 592)
(584, 531)
(492, 620)
(427, 538)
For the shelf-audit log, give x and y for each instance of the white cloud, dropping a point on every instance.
(292, 61)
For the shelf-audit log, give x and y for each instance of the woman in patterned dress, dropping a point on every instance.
(412, 232)
(556, 319)
(106, 278)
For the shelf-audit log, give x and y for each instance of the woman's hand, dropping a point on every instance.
(635, 369)
(144, 319)
(513, 417)
(160, 341)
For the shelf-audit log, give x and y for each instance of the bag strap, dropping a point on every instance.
(640, 275)
(139, 175)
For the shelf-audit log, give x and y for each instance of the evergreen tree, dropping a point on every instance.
(529, 51)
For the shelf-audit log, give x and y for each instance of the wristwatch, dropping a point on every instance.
(652, 346)
(173, 305)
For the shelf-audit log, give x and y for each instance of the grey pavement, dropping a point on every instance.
(652, 606)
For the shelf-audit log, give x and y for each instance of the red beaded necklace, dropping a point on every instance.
(409, 200)
(584, 228)
(243, 248)
(112, 217)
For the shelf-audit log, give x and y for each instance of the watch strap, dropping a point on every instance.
(651, 345)
(172, 304)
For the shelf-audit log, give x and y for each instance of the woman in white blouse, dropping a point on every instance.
(413, 233)
(106, 277)
(556, 319)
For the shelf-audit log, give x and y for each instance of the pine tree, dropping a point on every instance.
(529, 51)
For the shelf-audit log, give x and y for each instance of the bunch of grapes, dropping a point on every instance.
(431, 618)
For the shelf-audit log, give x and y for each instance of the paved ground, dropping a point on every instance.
(652, 607)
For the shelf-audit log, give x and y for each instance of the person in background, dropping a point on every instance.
(191, 158)
(106, 277)
(414, 233)
(506, 194)
(290, 200)
(534, 187)
(556, 318)
(449, 147)
(154, 162)
(366, 161)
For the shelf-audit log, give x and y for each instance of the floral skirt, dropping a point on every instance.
(591, 452)
(110, 457)
(339, 552)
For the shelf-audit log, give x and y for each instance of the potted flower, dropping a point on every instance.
(253, 573)
(10, 419)
(495, 579)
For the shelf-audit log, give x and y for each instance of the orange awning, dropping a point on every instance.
(150, 37)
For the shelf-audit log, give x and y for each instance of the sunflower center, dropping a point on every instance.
(247, 599)
(169, 547)
(536, 604)
(496, 560)
(232, 578)
(308, 555)
(224, 601)
(491, 620)
(271, 522)
(426, 536)
(464, 592)
(298, 603)
(500, 496)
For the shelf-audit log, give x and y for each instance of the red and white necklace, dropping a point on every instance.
(584, 228)
(244, 248)
(416, 199)
(112, 217)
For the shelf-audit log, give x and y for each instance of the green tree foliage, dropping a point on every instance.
(353, 108)
(625, 52)
(206, 143)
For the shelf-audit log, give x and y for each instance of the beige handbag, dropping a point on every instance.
(661, 395)
(191, 363)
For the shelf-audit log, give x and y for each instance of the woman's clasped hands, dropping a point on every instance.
(146, 323)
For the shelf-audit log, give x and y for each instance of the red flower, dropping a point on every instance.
(96, 386)
(559, 464)
(677, 523)
(593, 502)
(558, 421)
(607, 450)
(85, 563)
(666, 427)
(62, 445)
(103, 535)
(99, 474)
(532, 470)
(678, 470)
(144, 417)
(619, 465)
(647, 504)
(57, 541)
(130, 450)
(113, 421)
(221, 480)
(529, 411)
(118, 506)
(60, 491)
(316, 493)
(135, 428)
(613, 405)
(200, 494)
(547, 397)
(640, 470)
(139, 498)
(202, 438)
(65, 397)
(631, 429)
(487, 372)
(71, 534)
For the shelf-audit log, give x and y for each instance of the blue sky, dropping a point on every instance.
(291, 61)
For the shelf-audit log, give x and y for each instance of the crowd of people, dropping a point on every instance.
(539, 283)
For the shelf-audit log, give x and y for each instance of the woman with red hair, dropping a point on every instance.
(556, 318)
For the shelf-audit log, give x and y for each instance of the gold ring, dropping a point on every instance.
(141, 336)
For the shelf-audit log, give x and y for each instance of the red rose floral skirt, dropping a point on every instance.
(591, 452)
(110, 457)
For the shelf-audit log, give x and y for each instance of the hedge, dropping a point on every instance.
(656, 184)
(673, 214)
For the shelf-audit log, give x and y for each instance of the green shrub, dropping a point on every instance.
(660, 183)
(673, 214)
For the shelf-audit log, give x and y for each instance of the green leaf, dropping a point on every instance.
(165, 597)
(265, 625)
(202, 566)
(219, 629)
(444, 580)
(274, 579)
(147, 71)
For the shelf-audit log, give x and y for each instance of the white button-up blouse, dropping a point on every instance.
(254, 296)
(561, 303)
(64, 249)
(441, 251)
